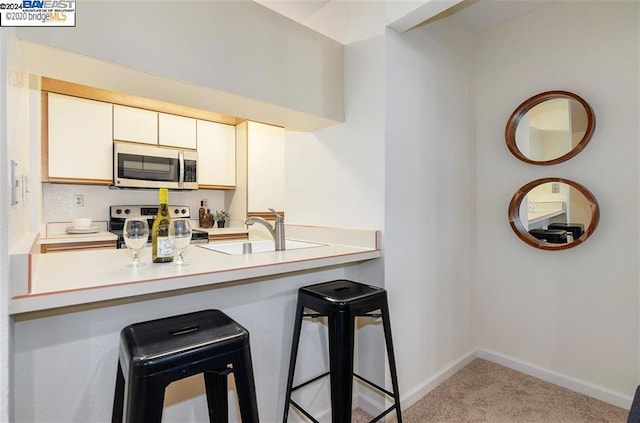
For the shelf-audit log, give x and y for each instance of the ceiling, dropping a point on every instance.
(348, 21)
(345, 21)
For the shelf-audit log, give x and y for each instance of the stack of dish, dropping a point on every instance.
(82, 225)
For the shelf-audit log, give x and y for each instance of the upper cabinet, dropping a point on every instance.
(176, 131)
(265, 168)
(259, 172)
(150, 127)
(77, 145)
(80, 124)
(216, 155)
(135, 125)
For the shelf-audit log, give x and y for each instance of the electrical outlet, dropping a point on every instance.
(78, 200)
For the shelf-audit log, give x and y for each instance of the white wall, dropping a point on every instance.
(237, 47)
(429, 205)
(18, 136)
(571, 314)
(335, 176)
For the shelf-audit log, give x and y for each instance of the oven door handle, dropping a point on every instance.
(181, 162)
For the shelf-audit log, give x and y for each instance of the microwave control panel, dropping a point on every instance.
(190, 171)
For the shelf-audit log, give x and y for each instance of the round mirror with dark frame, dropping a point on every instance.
(550, 128)
(553, 213)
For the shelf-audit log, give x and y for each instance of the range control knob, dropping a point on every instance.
(176, 211)
(183, 211)
(118, 211)
(127, 211)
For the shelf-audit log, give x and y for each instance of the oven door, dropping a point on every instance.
(141, 166)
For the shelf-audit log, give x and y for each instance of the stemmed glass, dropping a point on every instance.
(136, 234)
(180, 235)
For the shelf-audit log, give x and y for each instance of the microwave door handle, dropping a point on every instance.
(181, 162)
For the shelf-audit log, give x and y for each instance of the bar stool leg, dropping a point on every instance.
(386, 324)
(297, 327)
(118, 398)
(217, 396)
(149, 410)
(341, 350)
(245, 386)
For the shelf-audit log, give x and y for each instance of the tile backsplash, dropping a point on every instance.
(58, 200)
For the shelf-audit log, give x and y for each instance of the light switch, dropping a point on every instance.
(15, 183)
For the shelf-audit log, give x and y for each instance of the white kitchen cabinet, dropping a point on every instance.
(259, 174)
(176, 131)
(265, 167)
(78, 141)
(216, 155)
(135, 125)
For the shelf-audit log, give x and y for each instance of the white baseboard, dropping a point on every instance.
(576, 385)
(368, 404)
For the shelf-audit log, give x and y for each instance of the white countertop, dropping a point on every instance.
(70, 238)
(87, 276)
(541, 215)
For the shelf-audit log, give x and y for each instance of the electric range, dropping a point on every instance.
(118, 214)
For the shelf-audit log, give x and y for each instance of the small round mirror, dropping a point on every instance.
(550, 128)
(553, 213)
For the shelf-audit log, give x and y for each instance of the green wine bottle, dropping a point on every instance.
(161, 247)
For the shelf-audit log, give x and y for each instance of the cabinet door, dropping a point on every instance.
(216, 155)
(135, 125)
(176, 131)
(79, 140)
(265, 167)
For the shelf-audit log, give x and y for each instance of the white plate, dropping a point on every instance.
(91, 230)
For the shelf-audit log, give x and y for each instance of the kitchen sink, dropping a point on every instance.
(262, 246)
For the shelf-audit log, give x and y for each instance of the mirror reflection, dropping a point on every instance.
(550, 127)
(553, 213)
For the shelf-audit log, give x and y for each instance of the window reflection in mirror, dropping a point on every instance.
(550, 128)
(553, 213)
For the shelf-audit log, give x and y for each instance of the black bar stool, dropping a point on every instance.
(342, 301)
(155, 353)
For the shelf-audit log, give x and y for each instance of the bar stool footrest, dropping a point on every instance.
(309, 381)
(303, 411)
(384, 413)
(310, 417)
(368, 382)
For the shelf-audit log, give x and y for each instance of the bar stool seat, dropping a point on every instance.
(155, 353)
(342, 301)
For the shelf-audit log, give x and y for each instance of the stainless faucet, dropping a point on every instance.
(277, 231)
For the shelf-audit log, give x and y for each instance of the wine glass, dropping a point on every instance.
(136, 235)
(180, 235)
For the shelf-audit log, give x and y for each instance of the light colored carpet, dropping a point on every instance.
(485, 392)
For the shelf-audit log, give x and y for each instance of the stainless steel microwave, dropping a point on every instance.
(148, 166)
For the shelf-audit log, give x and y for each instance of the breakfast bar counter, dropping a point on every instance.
(89, 276)
(68, 309)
